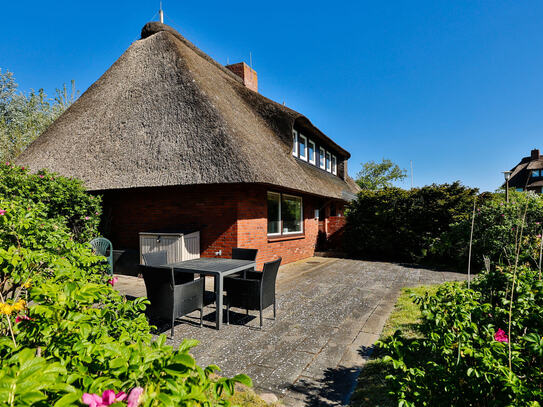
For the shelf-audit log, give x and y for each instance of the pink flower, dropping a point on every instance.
(20, 318)
(500, 336)
(41, 176)
(537, 223)
(503, 215)
(96, 213)
(22, 168)
(87, 218)
(108, 397)
(7, 163)
(134, 397)
(92, 400)
(2, 212)
(113, 281)
(538, 236)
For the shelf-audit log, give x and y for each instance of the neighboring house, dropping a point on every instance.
(527, 175)
(172, 139)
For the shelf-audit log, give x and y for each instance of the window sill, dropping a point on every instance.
(285, 237)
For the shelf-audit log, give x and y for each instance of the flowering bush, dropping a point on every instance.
(67, 337)
(463, 357)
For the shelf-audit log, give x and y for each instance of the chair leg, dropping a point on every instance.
(227, 314)
(260, 317)
(173, 325)
(274, 310)
(201, 316)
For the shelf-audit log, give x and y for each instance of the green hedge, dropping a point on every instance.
(394, 224)
(61, 197)
(497, 230)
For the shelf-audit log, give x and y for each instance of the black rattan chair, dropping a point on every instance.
(160, 259)
(255, 292)
(172, 295)
(243, 254)
(155, 258)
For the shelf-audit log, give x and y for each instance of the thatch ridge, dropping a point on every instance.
(167, 114)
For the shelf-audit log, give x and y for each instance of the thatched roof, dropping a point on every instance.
(167, 114)
(522, 177)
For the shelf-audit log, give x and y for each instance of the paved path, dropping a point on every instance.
(329, 313)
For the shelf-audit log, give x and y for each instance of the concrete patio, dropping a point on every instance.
(329, 314)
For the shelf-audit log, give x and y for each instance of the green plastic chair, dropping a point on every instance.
(103, 247)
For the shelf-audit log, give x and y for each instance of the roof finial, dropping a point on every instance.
(161, 14)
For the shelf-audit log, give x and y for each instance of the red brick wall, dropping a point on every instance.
(335, 224)
(253, 227)
(227, 216)
(212, 210)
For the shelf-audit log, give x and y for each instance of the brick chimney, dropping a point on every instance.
(535, 154)
(245, 72)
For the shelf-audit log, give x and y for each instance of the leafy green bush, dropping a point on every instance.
(397, 224)
(64, 330)
(463, 358)
(497, 227)
(62, 197)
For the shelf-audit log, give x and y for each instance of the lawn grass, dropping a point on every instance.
(372, 389)
(246, 397)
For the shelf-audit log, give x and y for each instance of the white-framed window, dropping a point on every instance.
(285, 214)
(294, 143)
(311, 151)
(334, 165)
(328, 162)
(322, 159)
(274, 214)
(302, 146)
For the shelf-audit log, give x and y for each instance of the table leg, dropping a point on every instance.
(218, 300)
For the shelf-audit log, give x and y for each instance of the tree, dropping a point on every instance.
(375, 176)
(23, 117)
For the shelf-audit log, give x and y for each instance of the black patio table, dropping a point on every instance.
(218, 268)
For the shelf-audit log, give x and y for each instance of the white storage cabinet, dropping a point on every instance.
(179, 246)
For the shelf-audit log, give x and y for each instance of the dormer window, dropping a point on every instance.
(536, 173)
(311, 151)
(314, 153)
(322, 159)
(302, 143)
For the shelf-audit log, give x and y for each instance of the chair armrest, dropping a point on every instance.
(253, 275)
(240, 284)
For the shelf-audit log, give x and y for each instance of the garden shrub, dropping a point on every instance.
(497, 227)
(463, 357)
(62, 197)
(394, 224)
(66, 335)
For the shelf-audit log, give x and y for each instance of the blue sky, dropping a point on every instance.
(454, 86)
